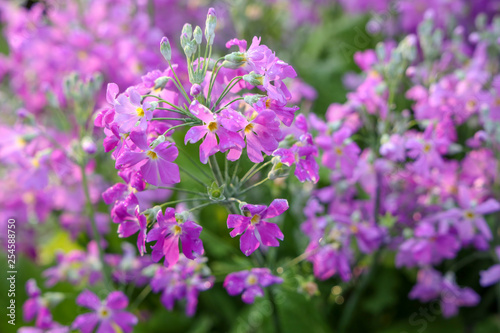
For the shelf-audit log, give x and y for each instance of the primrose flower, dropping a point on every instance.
(254, 228)
(250, 283)
(158, 168)
(109, 314)
(432, 285)
(340, 152)
(170, 229)
(210, 130)
(131, 112)
(492, 274)
(36, 306)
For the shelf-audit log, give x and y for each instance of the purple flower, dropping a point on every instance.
(210, 130)
(132, 224)
(250, 283)
(109, 314)
(254, 228)
(130, 111)
(262, 135)
(492, 274)
(36, 307)
(156, 162)
(340, 152)
(186, 279)
(432, 285)
(170, 229)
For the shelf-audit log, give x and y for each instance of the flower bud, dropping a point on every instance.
(210, 25)
(279, 170)
(188, 30)
(195, 90)
(156, 142)
(88, 145)
(184, 40)
(182, 216)
(237, 58)
(165, 49)
(254, 79)
(198, 35)
(190, 48)
(252, 99)
(161, 82)
(215, 192)
(151, 214)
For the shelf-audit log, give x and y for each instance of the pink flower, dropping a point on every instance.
(254, 228)
(172, 228)
(156, 161)
(210, 130)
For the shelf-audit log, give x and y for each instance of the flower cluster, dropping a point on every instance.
(410, 181)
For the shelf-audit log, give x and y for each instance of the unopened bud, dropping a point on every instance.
(216, 193)
(210, 25)
(198, 35)
(188, 30)
(254, 79)
(161, 82)
(165, 49)
(89, 146)
(195, 90)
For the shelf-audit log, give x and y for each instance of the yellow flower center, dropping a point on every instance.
(251, 279)
(339, 151)
(35, 162)
(212, 126)
(497, 101)
(176, 230)
(140, 112)
(354, 229)
(470, 215)
(255, 219)
(248, 128)
(268, 103)
(471, 104)
(427, 148)
(28, 198)
(152, 155)
(21, 142)
(103, 313)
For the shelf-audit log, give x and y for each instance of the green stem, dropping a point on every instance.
(353, 301)
(214, 166)
(171, 118)
(165, 204)
(201, 206)
(252, 172)
(227, 104)
(255, 185)
(234, 81)
(179, 84)
(161, 100)
(105, 268)
(177, 126)
(181, 190)
(193, 176)
(141, 297)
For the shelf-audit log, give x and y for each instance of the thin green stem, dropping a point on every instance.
(255, 185)
(181, 190)
(171, 118)
(105, 268)
(201, 206)
(193, 176)
(141, 297)
(214, 166)
(227, 104)
(179, 84)
(213, 76)
(173, 202)
(226, 90)
(177, 126)
(194, 163)
(161, 100)
(252, 172)
(172, 110)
